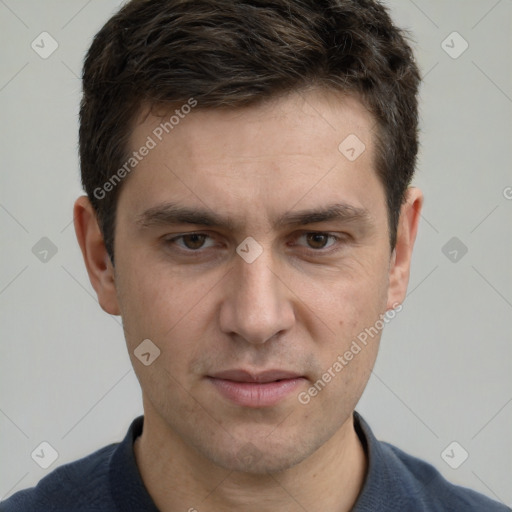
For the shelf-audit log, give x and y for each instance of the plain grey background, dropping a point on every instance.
(443, 373)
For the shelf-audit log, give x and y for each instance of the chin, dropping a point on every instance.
(259, 463)
(258, 458)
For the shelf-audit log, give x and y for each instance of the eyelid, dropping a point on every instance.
(338, 238)
(171, 240)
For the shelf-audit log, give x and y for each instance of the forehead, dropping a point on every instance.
(299, 121)
(306, 147)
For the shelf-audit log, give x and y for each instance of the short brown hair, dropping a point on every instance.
(234, 53)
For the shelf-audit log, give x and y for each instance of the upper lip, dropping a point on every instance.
(251, 376)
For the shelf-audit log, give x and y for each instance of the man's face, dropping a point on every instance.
(273, 173)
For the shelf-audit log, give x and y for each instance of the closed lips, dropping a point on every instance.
(260, 377)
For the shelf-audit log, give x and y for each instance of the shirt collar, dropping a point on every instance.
(129, 493)
(126, 485)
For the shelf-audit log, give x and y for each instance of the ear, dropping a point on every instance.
(400, 264)
(97, 261)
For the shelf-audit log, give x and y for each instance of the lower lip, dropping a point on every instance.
(254, 394)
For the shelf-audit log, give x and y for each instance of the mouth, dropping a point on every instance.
(256, 389)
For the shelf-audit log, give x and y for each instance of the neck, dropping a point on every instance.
(178, 478)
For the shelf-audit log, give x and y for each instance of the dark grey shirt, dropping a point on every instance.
(109, 481)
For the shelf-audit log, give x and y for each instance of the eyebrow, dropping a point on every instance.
(167, 214)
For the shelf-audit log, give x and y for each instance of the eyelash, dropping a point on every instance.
(337, 239)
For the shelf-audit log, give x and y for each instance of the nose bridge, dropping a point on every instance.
(257, 307)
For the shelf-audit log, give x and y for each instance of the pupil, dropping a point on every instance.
(317, 240)
(194, 241)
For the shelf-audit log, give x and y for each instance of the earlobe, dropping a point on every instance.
(400, 263)
(96, 258)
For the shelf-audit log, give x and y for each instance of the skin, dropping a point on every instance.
(296, 307)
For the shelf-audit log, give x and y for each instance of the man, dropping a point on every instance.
(249, 215)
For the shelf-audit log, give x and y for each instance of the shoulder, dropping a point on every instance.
(425, 487)
(396, 480)
(79, 485)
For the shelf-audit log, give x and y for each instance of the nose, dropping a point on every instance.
(257, 305)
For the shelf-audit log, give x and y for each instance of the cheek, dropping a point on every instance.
(350, 298)
(344, 312)
(159, 304)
